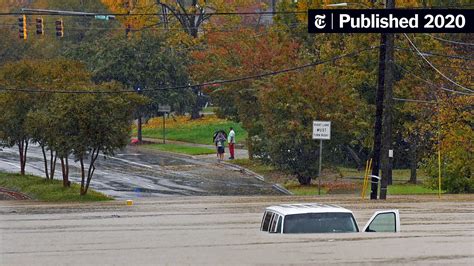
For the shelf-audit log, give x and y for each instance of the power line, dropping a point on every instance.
(410, 72)
(210, 83)
(441, 73)
(413, 100)
(449, 41)
(457, 67)
(269, 13)
(440, 55)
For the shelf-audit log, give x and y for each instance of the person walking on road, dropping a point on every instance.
(231, 140)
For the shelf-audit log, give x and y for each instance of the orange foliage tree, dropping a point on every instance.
(240, 53)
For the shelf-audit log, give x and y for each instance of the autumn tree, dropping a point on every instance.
(241, 53)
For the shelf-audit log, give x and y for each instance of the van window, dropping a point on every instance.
(266, 221)
(278, 230)
(383, 222)
(274, 223)
(319, 223)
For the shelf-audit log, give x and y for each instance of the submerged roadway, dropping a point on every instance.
(138, 172)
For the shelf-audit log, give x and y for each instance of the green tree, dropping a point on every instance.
(14, 107)
(290, 103)
(144, 61)
(452, 136)
(24, 118)
(93, 123)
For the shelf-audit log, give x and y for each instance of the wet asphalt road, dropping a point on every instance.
(136, 172)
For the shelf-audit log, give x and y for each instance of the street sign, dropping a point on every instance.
(103, 17)
(321, 129)
(164, 108)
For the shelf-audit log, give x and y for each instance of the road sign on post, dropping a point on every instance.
(321, 131)
(164, 108)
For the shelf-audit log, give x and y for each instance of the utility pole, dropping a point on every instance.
(387, 150)
(138, 89)
(384, 82)
(378, 118)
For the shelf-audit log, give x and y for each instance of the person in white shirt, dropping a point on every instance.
(231, 141)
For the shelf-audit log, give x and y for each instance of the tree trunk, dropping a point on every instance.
(304, 180)
(65, 171)
(355, 157)
(90, 173)
(23, 149)
(52, 163)
(81, 161)
(250, 147)
(139, 129)
(195, 108)
(413, 162)
(46, 171)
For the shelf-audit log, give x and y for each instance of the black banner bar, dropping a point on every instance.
(391, 21)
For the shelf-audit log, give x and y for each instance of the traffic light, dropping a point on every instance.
(59, 28)
(39, 26)
(22, 27)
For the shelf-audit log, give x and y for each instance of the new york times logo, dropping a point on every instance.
(319, 21)
(391, 21)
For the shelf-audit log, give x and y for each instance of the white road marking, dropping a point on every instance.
(130, 162)
(12, 164)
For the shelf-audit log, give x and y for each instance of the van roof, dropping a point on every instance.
(286, 209)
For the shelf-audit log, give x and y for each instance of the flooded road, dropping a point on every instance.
(225, 231)
(136, 172)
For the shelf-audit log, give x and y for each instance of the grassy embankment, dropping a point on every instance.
(39, 188)
(181, 148)
(181, 128)
(337, 181)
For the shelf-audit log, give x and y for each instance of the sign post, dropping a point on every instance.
(321, 131)
(164, 108)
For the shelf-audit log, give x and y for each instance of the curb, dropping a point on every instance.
(277, 187)
(282, 189)
(245, 170)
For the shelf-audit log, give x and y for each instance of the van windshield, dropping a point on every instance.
(319, 223)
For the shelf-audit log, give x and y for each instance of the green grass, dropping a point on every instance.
(48, 190)
(179, 148)
(196, 133)
(209, 109)
(291, 185)
(300, 190)
(410, 189)
(254, 166)
(398, 175)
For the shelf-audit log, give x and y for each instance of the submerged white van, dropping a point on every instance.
(323, 218)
